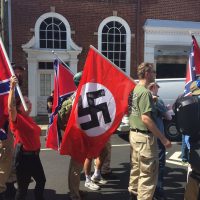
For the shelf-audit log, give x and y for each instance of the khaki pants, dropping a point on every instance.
(105, 169)
(7, 173)
(144, 165)
(74, 174)
(192, 189)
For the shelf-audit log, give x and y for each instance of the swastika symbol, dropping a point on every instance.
(93, 109)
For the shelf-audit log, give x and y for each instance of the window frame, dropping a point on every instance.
(52, 15)
(128, 38)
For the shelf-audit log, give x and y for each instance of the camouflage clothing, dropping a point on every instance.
(75, 168)
(64, 113)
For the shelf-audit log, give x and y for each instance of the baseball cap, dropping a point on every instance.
(195, 87)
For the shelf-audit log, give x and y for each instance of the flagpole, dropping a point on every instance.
(112, 64)
(12, 73)
(61, 61)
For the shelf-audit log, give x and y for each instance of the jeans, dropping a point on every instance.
(184, 150)
(30, 166)
(161, 170)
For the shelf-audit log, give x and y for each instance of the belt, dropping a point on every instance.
(31, 152)
(140, 131)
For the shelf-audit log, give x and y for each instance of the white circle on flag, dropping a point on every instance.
(97, 119)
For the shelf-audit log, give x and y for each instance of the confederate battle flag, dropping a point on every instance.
(4, 90)
(193, 67)
(100, 103)
(63, 87)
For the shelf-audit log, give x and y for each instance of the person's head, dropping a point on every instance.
(153, 87)
(18, 70)
(20, 107)
(195, 88)
(77, 78)
(52, 92)
(146, 71)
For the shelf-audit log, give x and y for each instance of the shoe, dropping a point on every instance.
(98, 179)
(91, 185)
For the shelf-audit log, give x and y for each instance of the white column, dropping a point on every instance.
(149, 54)
(32, 84)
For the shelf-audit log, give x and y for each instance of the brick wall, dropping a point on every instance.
(84, 17)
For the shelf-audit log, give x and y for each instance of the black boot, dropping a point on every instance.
(132, 196)
(10, 191)
(2, 196)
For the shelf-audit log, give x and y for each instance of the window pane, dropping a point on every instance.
(116, 56)
(56, 44)
(43, 26)
(50, 27)
(123, 30)
(104, 46)
(123, 56)
(62, 27)
(117, 62)
(105, 29)
(111, 38)
(49, 44)
(105, 54)
(56, 28)
(48, 20)
(56, 21)
(123, 47)
(123, 39)
(110, 47)
(63, 45)
(42, 43)
(49, 35)
(42, 35)
(63, 36)
(117, 47)
(45, 65)
(112, 31)
(110, 24)
(56, 35)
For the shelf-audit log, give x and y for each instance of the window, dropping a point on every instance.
(45, 84)
(166, 70)
(53, 34)
(114, 41)
(46, 65)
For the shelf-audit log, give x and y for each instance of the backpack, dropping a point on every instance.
(187, 115)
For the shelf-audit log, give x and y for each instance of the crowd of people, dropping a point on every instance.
(147, 142)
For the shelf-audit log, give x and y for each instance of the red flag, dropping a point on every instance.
(196, 56)
(4, 86)
(63, 87)
(98, 108)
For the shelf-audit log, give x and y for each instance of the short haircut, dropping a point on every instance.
(142, 68)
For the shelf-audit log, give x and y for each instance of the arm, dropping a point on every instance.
(165, 112)
(11, 99)
(146, 119)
